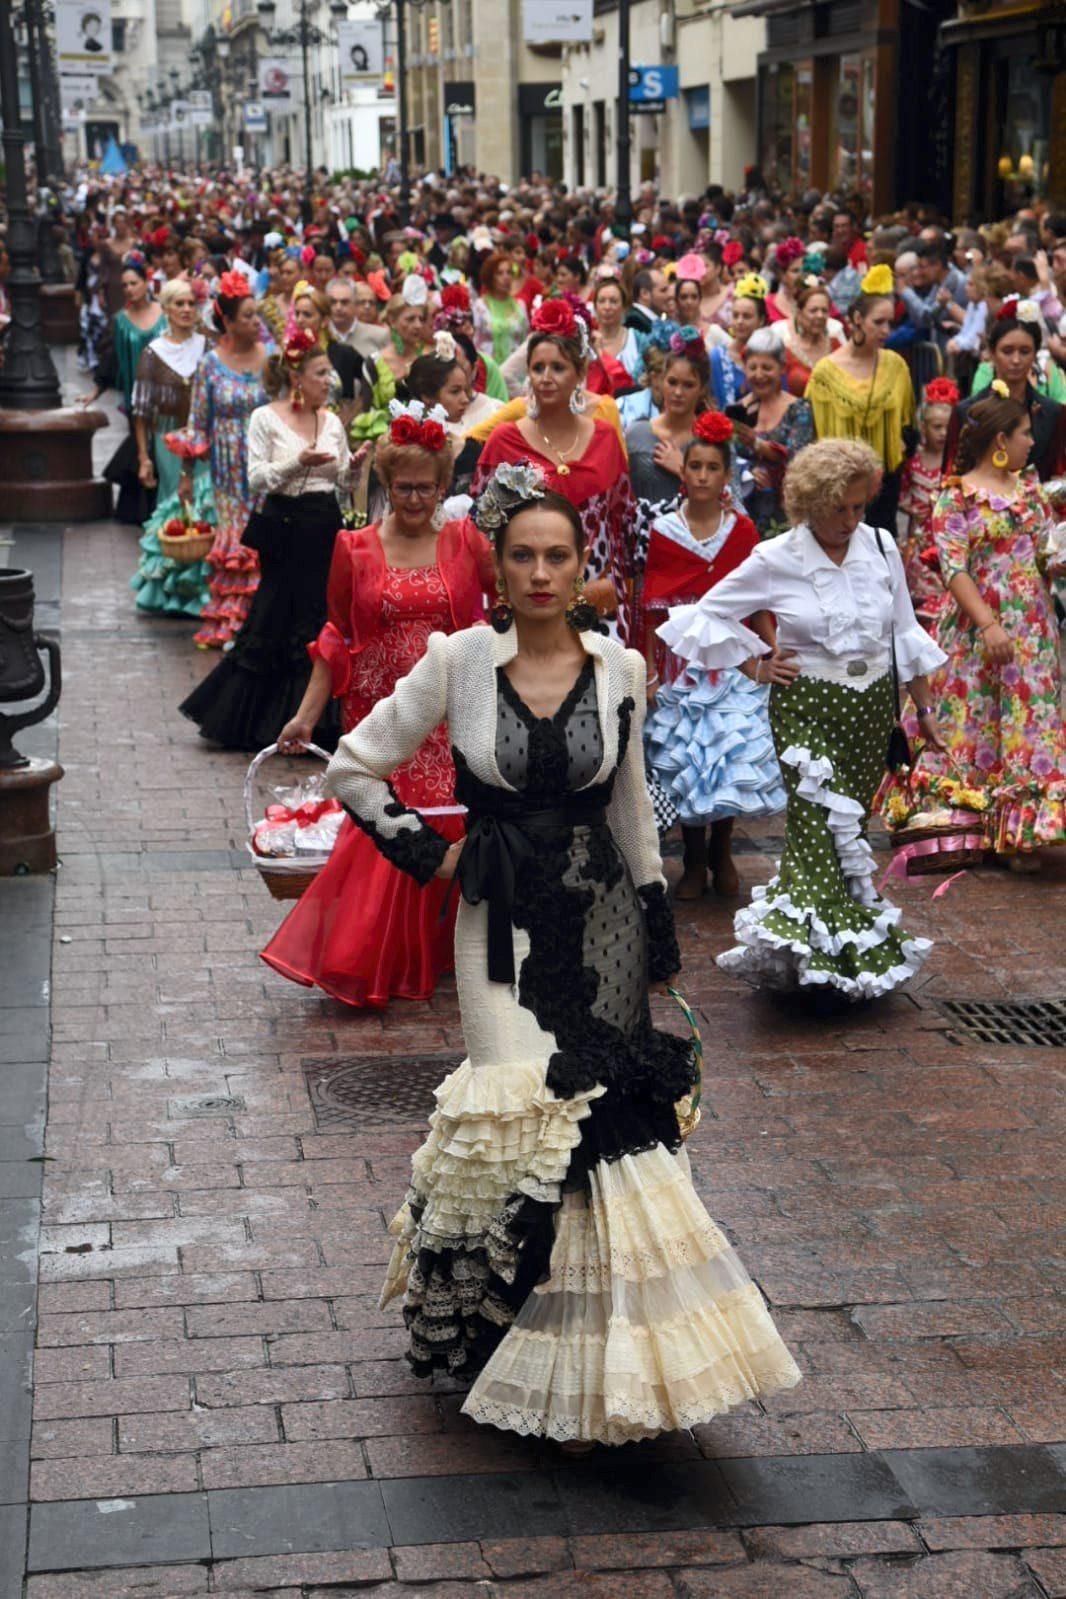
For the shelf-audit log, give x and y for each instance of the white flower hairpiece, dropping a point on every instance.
(1027, 311)
(415, 290)
(444, 346)
(511, 485)
(416, 409)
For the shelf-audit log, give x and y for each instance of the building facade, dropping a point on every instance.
(478, 95)
(705, 131)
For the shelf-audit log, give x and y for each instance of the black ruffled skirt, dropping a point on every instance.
(258, 685)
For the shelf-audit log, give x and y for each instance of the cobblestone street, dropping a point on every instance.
(191, 1273)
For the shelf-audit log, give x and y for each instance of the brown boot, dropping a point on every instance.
(693, 884)
(723, 868)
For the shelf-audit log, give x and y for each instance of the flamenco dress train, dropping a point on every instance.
(363, 931)
(552, 1246)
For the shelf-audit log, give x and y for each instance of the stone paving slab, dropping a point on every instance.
(209, 1343)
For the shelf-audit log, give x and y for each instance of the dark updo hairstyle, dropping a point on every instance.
(570, 349)
(230, 304)
(1012, 324)
(427, 376)
(987, 417)
(574, 264)
(549, 501)
(136, 263)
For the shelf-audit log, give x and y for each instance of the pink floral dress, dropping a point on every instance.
(1003, 724)
(919, 488)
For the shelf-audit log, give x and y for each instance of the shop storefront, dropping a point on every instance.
(833, 111)
(460, 108)
(1010, 107)
(540, 113)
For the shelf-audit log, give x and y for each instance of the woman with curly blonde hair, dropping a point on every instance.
(837, 589)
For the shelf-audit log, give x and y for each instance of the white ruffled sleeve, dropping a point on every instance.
(916, 653)
(711, 633)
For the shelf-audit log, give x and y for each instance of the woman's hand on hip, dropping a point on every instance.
(450, 864)
(781, 668)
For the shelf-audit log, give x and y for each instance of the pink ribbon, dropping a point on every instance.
(931, 846)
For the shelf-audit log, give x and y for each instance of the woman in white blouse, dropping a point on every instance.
(837, 589)
(298, 462)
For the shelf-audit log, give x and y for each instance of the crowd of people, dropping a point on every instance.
(723, 480)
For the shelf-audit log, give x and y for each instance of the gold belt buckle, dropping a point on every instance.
(857, 668)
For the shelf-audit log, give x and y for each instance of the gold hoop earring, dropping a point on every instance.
(1000, 460)
(501, 615)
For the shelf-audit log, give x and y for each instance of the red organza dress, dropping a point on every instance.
(365, 932)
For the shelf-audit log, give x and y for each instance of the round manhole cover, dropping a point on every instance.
(376, 1088)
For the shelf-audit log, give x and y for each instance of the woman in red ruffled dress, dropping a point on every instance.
(365, 932)
(580, 457)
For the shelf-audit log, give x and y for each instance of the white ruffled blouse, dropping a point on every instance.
(839, 620)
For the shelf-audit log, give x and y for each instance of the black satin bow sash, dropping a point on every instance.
(499, 846)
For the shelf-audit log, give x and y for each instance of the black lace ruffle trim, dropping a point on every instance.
(460, 1302)
(418, 850)
(664, 952)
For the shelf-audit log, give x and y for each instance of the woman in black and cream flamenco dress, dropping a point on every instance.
(552, 1246)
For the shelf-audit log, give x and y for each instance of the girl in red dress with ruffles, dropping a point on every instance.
(365, 932)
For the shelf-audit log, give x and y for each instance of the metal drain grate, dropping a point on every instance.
(1030, 1023)
(379, 1090)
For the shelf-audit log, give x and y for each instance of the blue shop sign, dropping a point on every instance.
(699, 107)
(653, 83)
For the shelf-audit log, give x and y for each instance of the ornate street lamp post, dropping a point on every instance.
(400, 7)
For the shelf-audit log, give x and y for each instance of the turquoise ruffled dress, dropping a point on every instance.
(163, 586)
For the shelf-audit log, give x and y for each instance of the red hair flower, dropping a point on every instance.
(234, 286)
(456, 297)
(432, 436)
(297, 345)
(941, 391)
(555, 317)
(732, 253)
(789, 250)
(711, 427)
(405, 430)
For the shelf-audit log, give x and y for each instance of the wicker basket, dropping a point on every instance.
(193, 547)
(285, 876)
(688, 1109)
(942, 846)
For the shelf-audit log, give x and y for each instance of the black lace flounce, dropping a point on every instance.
(461, 1301)
(418, 850)
(664, 952)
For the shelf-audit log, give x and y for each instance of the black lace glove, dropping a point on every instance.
(664, 955)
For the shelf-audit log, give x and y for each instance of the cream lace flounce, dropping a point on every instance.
(496, 1134)
(648, 1321)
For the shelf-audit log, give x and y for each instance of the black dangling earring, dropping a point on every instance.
(501, 615)
(580, 614)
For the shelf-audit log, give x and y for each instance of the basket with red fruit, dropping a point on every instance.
(182, 538)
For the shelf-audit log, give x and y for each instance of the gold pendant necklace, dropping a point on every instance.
(561, 466)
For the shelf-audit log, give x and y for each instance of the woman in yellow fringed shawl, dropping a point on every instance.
(863, 391)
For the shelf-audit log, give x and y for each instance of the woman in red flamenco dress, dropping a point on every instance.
(580, 457)
(365, 932)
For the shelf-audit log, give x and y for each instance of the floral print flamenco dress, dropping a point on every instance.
(219, 412)
(1004, 724)
(552, 1245)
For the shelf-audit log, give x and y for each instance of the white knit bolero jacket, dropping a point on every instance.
(456, 681)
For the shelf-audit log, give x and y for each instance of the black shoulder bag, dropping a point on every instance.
(899, 749)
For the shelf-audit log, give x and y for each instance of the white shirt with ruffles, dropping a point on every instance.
(841, 621)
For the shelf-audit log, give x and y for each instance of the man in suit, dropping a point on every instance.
(353, 313)
(651, 292)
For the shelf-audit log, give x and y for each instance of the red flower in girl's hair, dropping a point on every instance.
(732, 253)
(432, 436)
(456, 297)
(941, 391)
(234, 286)
(404, 430)
(711, 427)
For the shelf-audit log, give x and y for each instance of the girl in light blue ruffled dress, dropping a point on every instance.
(707, 736)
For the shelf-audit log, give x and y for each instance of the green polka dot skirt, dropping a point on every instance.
(820, 921)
